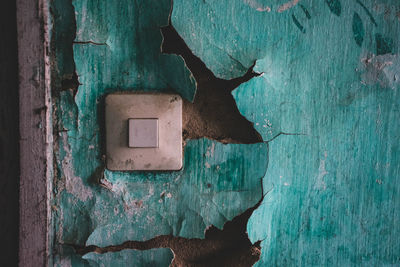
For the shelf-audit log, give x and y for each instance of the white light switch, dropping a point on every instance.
(143, 133)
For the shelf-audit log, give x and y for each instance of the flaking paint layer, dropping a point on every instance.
(328, 103)
(116, 47)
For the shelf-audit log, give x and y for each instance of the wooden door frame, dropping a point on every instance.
(35, 132)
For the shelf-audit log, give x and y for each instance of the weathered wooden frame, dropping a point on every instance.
(35, 132)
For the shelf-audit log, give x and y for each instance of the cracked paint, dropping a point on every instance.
(287, 5)
(73, 184)
(117, 47)
(326, 107)
(381, 69)
(257, 6)
(320, 210)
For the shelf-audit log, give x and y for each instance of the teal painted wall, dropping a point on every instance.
(327, 106)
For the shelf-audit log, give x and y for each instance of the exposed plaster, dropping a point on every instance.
(227, 247)
(213, 113)
(320, 183)
(381, 69)
(234, 128)
(226, 125)
(73, 184)
(257, 6)
(287, 6)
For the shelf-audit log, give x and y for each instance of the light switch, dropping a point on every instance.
(143, 133)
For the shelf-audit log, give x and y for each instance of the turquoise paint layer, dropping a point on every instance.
(217, 183)
(117, 48)
(126, 52)
(218, 32)
(331, 76)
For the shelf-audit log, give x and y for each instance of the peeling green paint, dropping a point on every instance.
(206, 192)
(333, 187)
(117, 48)
(327, 106)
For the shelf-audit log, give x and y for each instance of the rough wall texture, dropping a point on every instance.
(35, 130)
(326, 107)
(331, 74)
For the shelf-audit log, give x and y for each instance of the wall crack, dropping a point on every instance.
(89, 42)
(213, 113)
(227, 247)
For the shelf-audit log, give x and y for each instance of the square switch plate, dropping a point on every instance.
(143, 132)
